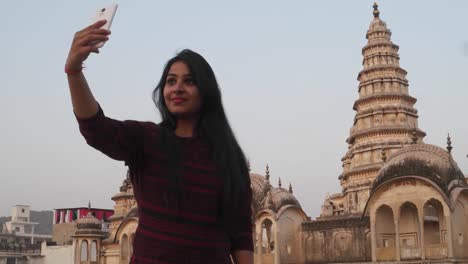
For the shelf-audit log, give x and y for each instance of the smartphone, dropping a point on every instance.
(108, 14)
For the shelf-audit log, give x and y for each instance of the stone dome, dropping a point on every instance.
(423, 160)
(88, 222)
(89, 226)
(279, 197)
(257, 181)
(260, 187)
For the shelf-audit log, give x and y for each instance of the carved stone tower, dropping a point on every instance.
(124, 202)
(385, 118)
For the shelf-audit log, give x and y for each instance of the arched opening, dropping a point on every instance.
(435, 230)
(84, 251)
(93, 251)
(124, 250)
(409, 232)
(385, 233)
(268, 243)
(433, 222)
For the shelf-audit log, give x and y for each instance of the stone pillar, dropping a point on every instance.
(396, 221)
(77, 250)
(373, 236)
(448, 220)
(89, 251)
(421, 224)
(277, 244)
(259, 231)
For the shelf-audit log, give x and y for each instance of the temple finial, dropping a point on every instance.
(267, 172)
(290, 188)
(279, 182)
(248, 165)
(449, 144)
(89, 205)
(415, 137)
(376, 10)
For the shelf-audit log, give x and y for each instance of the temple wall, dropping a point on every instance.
(460, 224)
(289, 225)
(335, 241)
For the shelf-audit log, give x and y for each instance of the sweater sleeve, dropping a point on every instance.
(112, 137)
(241, 238)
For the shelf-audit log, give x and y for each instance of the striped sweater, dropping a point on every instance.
(192, 234)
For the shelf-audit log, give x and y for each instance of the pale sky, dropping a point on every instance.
(287, 70)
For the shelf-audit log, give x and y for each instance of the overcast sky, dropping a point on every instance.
(287, 70)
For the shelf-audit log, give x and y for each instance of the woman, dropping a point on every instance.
(189, 174)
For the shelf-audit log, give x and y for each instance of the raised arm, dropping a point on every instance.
(84, 104)
(117, 139)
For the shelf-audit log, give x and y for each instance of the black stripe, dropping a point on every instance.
(176, 218)
(153, 229)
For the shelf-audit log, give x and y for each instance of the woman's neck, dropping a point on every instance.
(185, 127)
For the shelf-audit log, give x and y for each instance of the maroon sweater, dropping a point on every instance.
(192, 234)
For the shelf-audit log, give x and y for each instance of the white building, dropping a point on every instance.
(21, 225)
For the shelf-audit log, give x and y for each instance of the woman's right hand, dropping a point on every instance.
(84, 43)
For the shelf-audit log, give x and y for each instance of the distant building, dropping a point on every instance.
(64, 221)
(18, 240)
(22, 227)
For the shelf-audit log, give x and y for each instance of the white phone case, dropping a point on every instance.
(108, 14)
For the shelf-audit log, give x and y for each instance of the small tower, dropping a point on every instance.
(87, 239)
(124, 202)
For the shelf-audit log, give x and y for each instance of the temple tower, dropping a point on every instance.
(385, 118)
(124, 203)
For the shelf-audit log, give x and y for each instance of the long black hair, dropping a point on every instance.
(212, 126)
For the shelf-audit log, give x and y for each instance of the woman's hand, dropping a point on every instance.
(84, 43)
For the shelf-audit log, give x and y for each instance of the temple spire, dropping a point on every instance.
(449, 144)
(376, 10)
(248, 165)
(89, 204)
(290, 188)
(267, 172)
(279, 182)
(386, 119)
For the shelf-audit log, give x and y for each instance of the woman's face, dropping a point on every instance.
(180, 93)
